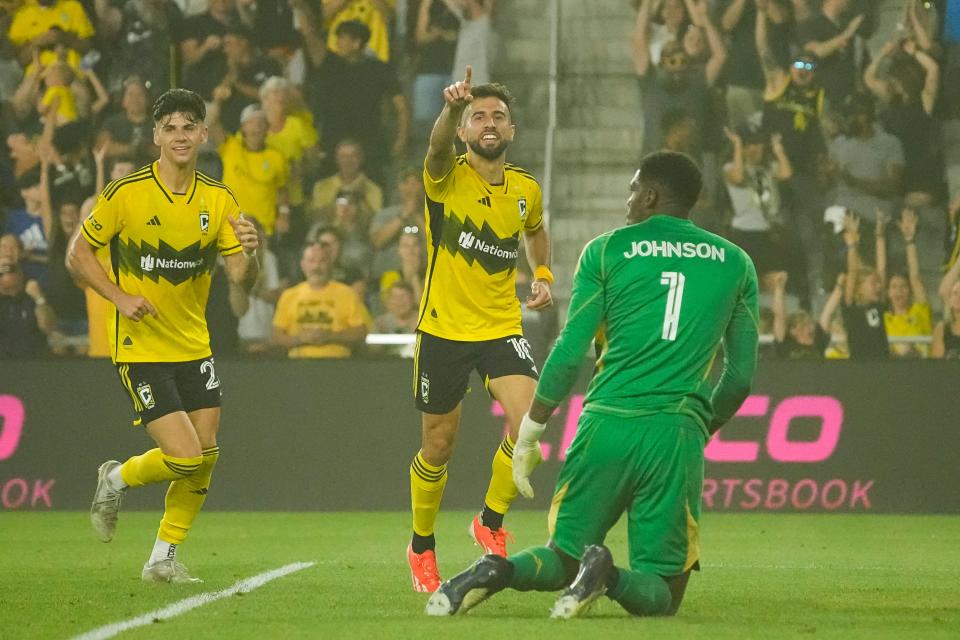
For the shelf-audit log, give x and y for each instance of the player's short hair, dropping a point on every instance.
(495, 90)
(675, 173)
(180, 101)
(354, 29)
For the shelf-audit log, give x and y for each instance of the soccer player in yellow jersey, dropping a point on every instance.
(478, 206)
(164, 226)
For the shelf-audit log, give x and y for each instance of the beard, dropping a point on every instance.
(488, 153)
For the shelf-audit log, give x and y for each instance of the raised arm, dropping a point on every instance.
(880, 233)
(640, 42)
(732, 15)
(827, 48)
(851, 237)
(307, 25)
(833, 301)
(779, 305)
(700, 16)
(931, 82)
(733, 172)
(773, 73)
(878, 87)
(442, 153)
(784, 167)
(908, 227)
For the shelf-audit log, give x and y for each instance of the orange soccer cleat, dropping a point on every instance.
(490, 541)
(423, 567)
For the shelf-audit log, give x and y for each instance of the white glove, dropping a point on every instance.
(526, 454)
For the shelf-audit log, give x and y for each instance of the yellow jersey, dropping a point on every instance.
(163, 246)
(366, 12)
(334, 307)
(32, 20)
(297, 135)
(917, 321)
(473, 240)
(254, 177)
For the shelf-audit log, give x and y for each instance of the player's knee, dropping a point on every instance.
(183, 467)
(438, 443)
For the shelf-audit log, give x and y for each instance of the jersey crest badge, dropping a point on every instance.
(204, 217)
(146, 395)
(522, 206)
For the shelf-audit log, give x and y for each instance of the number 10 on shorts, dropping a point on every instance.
(671, 316)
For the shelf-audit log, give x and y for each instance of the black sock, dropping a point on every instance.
(490, 518)
(423, 543)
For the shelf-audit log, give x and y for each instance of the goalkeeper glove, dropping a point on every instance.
(526, 454)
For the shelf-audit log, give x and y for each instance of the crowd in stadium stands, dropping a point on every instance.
(838, 171)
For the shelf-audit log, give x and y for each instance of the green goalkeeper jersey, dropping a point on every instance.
(663, 294)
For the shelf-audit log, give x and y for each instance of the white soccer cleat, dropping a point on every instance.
(169, 571)
(106, 503)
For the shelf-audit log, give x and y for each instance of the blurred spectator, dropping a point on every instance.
(256, 325)
(743, 74)
(273, 26)
(23, 152)
(908, 314)
(290, 131)
(130, 132)
(404, 217)
(950, 96)
(25, 317)
(866, 161)
(664, 21)
(201, 47)
(65, 298)
(412, 269)
(319, 318)
(752, 182)
(32, 223)
(435, 45)
(355, 250)
(909, 96)
(863, 309)
(679, 133)
(40, 27)
(256, 175)
(840, 52)
(349, 158)
(476, 40)
(375, 15)
(921, 23)
(347, 94)
(141, 35)
(401, 310)
(951, 240)
(58, 92)
(797, 336)
(946, 335)
(247, 70)
(675, 82)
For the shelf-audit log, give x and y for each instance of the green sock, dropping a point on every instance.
(642, 594)
(537, 569)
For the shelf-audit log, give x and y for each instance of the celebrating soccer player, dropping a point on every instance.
(666, 293)
(477, 207)
(163, 227)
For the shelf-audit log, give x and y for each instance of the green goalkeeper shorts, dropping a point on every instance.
(652, 468)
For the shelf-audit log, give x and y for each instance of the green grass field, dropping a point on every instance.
(764, 577)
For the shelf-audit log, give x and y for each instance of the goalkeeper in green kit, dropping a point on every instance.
(664, 294)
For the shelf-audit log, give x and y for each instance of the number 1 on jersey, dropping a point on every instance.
(671, 316)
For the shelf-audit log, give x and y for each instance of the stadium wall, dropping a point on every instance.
(314, 435)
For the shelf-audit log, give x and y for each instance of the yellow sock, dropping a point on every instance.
(426, 492)
(185, 497)
(155, 466)
(502, 491)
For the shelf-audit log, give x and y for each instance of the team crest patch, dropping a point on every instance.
(146, 395)
(522, 206)
(204, 221)
(425, 388)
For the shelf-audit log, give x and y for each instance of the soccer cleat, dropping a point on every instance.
(490, 541)
(464, 591)
(106, 503)
(590, 583)
(423, 568)
(169, 571)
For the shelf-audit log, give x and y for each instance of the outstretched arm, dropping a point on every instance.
(830, 306)
(442, 153)
(640, 42)
(908, 227)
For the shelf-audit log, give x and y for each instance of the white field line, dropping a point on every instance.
(244, 586)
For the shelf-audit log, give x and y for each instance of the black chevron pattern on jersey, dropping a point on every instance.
(176, 266)
(480, 244)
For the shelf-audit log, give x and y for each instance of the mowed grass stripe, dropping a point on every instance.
(178, 608)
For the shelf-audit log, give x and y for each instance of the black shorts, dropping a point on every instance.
(441, 368)
(160, 388)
